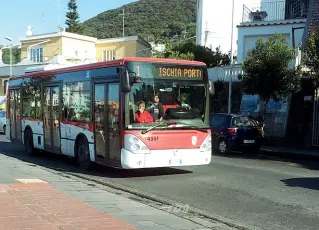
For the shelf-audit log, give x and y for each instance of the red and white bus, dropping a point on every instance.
(88, 112)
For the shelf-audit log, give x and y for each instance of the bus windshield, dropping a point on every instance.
(163, 93)
(165, 100)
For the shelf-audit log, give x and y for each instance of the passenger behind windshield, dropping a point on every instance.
(156, 108)
(142, 116)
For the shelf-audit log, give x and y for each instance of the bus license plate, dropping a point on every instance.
(249, 141)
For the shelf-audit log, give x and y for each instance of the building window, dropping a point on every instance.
(37, 54)
(108, 55)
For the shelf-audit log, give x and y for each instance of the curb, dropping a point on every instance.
(165, 201)
(201, 214)
(291, 152)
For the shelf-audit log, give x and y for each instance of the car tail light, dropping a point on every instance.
(232, 130)
(260, 131)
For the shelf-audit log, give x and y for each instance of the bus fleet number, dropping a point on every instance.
(155, 138)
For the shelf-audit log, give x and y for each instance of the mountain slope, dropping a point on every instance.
(151, 19)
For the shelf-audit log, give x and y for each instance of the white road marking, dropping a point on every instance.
(31, 181)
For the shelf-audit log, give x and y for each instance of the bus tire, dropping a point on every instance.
(28, 143)
(83, 154)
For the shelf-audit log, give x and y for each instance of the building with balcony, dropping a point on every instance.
(262, 20)
(267, 18)
(79, 49)
(72, 47)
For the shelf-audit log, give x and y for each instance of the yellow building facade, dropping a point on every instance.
(118, 48)
(77, 48)
(68, 48)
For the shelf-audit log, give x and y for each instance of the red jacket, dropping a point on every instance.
(144, 117)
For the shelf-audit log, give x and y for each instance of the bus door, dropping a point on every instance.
(106, 122)
(51, 118)
(15, 114)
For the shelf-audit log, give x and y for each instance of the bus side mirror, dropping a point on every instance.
(125, 82)
(211, 87)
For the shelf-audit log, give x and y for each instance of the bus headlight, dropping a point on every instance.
(135, 145)
(207, 144)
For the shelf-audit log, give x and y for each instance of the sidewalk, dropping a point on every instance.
(63, 203)
(305, 152)
(40, 206)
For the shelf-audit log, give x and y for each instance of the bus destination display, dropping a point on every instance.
(166, 71)
(180, 72)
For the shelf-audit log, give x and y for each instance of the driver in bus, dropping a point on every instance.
(156, 108)
(142, 116)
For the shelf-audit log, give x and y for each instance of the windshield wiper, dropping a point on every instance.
(196, 128)
(168, 123)
(152, 127)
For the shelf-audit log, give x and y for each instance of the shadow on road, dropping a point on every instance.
(309, 162)
(306, 182)
(65, 164)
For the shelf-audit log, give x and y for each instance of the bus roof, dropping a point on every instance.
(105, 64)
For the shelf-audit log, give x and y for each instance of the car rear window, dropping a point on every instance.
(217, 120)
(244, 121)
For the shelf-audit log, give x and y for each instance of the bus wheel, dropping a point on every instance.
(28, 143)
(83, 154)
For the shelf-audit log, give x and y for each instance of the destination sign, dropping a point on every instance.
(166, 70)
(179, 72)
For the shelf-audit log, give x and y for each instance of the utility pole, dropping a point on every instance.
(10, 40)
(123, 14)
(206, 34)
(231, 62)
(123, 22)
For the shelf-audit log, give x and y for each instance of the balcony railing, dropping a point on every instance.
(276, 11)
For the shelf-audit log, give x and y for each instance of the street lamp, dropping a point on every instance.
(10, 40)
(231, 61)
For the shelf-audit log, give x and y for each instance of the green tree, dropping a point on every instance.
(190, 51)
(154, 20)
(212, 58)
(174, 54)
(311, 55)
(72, 18)
(267, 72)
(16, 55)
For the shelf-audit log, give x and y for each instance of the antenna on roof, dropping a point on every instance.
(29, 31)
(42, 23)
(58, 7)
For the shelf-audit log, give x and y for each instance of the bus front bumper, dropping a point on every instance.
(165, 158)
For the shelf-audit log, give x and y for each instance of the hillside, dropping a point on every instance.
(152, 19)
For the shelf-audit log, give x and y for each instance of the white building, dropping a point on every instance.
(262, 20)
(216, 18)
(268, 18)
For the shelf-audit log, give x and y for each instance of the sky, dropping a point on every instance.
(42, 15)
(219, 21)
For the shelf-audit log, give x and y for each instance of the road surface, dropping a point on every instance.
(256, 191)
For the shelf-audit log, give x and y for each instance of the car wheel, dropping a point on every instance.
(222, 146)
(83, 154)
